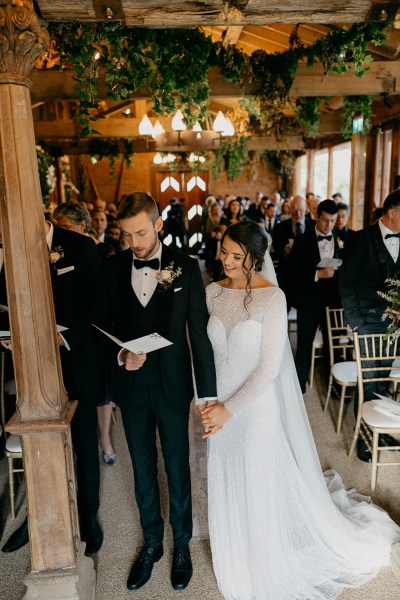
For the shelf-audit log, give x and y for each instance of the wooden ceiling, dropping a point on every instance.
(189, 13)
(251, 25)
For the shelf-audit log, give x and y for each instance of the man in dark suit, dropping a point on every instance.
(74, 268)
(372, 258)
(314, 288)
(153, 288)
(283, 238)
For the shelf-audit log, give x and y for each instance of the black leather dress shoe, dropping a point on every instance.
(18, 539)
(143, 566)
(362, 451)
(182, 569)
(387, 440)
(92, 534)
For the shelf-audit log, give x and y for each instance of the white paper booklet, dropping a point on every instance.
(142, 345)
(387, 405)
(329, 262)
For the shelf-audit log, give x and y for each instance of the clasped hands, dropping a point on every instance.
(214, 415)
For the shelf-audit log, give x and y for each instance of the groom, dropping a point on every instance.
(152, 288)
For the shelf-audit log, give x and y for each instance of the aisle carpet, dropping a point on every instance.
(119, 518)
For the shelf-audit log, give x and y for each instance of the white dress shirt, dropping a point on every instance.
(144, 280)
(392, 244)
(326, 248)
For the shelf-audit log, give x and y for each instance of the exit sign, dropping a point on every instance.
(358, 125)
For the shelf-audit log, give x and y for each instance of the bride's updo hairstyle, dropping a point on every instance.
(254, 242)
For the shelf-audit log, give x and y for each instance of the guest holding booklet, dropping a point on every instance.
(314, 286)
(151, 288)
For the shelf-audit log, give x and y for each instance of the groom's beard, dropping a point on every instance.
(144, 253)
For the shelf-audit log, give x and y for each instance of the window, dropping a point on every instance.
(302, 171)
(321, 167)
(341, 170)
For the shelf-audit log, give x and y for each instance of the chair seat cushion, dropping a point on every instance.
(376, 418)
(345, 371)
(13, 444)
(395, 373)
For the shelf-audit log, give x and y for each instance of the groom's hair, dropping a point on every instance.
(137, 202)
(392, 200)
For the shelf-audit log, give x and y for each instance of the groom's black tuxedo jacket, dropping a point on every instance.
(366, 266)
(303, 261)
(171, 312)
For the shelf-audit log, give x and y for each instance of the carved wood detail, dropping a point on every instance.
(22, 38)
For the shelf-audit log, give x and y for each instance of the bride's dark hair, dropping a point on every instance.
(254, 242)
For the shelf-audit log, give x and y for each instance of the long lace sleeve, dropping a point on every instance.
(274, 334)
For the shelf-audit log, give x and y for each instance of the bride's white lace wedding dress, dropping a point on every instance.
(276, 531)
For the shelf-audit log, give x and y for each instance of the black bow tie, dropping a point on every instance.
(389, 235)
(324, 237)
(154, 263)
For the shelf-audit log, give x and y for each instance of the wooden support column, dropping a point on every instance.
(357, 181)
(310, 171)
(59, 567)
(395, 158)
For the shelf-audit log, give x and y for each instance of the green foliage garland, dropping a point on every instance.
(44, 162)
(112, 148)
(355, 106)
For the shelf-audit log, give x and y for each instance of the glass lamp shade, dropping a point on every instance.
(177, 122)
(229, 128)
(158, 159)
(197, 127)
(157, 129)
(145, 126)
(219, 123)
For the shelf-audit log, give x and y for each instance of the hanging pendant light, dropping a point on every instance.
(145, 126)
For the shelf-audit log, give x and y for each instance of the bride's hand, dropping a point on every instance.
(214, 418)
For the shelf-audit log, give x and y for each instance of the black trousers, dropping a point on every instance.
(146, 410)
(82, 373)
(308, 321)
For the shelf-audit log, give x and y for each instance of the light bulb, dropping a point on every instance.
(219, 123)
(145, 126)
(158, 159)
(158, 129)
(177, 122)
(97, 56)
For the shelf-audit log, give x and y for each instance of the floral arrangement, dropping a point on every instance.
(168, 275)
(55, 255)
(392, 312)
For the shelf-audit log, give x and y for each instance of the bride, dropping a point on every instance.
(278, 530)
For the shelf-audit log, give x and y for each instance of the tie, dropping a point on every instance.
(390, 235)
(154, 263)
(324, 237)
(299, 229)
(269, 225)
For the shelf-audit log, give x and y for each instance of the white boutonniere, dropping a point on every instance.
(168, 275)
(340, 243)
(55, 255)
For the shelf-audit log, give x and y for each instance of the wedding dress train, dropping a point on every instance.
(278, 529)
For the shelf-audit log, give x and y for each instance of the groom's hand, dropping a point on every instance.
(132, 361)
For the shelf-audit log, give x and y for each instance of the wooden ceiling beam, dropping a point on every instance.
(232, 35)
(382, 77)
(185, 13)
